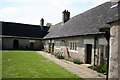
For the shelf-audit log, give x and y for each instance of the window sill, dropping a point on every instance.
(57, 48)
(73, 51)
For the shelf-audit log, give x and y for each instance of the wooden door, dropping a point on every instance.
(31, 46)
(88, 53)
(52, 47)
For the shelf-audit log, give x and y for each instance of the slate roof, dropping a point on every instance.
(85, 23)
(23, 30)
(54, 30)
(115, 15)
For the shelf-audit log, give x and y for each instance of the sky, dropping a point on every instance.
(31, 11)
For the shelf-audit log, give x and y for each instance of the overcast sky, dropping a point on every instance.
(31, 11)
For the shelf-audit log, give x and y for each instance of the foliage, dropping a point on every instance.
(59, 55)
(68, 59)
(29, 64)
(77, 61)
(49, 24)
(45, 50)
(101, 68)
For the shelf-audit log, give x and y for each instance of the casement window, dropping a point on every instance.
(73, 45)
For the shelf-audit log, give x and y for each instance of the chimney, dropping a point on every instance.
(65, 16)
(42, 22)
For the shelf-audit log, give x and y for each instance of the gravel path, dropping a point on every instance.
(80, 70)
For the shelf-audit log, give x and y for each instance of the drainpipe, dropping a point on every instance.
(94, 48)
(107, 36)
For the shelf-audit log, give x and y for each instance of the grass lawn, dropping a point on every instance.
(29, 64)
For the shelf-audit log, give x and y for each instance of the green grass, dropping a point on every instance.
(29, 64)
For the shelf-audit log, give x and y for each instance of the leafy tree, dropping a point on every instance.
(49, 24)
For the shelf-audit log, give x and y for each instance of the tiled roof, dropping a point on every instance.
(23, 30)
(85, 23)
(114, 13)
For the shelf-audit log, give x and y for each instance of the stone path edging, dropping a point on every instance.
(80, 70)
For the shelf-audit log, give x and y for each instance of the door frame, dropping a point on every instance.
(88, 53)
(15, 44)
(32, 45)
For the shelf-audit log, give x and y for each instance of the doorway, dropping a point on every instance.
(88, 53)
(49, 47)
(52, 47)
(15, 44)
(31, 45)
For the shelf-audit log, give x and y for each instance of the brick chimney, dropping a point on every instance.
(65, 16)
(42, 22)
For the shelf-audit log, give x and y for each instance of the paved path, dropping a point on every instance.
(80, 70)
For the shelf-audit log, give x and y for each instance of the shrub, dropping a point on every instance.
(77, 61)
(101, 68)
(59, 55)
(45, 50)
(68, 59)
(52, 53)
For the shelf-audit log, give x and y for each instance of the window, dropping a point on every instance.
(73, 45)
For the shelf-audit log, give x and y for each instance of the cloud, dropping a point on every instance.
(60, 2)
(31, 11)
(9, 11)
(98, 2)
(18, 1)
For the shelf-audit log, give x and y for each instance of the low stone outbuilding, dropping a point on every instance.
(79, 37)
(22, 36)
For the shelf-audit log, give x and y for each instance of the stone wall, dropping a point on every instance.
(114, 65)
(7, 43)
(81, 45)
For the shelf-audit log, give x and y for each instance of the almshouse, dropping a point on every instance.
(79, 37)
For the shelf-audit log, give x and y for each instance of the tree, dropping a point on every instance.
(49, 24)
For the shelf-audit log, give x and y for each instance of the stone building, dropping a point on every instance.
(114, 60)
(114, 55)
(22, 36)
(79, 37)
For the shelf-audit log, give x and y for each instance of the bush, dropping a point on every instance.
(101, 68)
(77, 61)
(68, 59)
(52, 53)
(45, 50)
(59, 55)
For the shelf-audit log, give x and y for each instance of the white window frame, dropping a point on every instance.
(73, 45)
